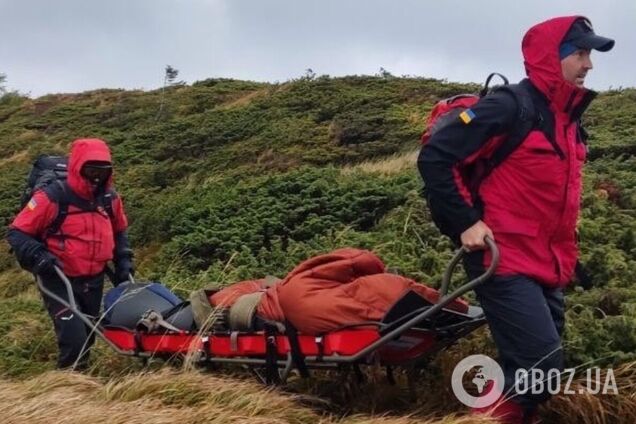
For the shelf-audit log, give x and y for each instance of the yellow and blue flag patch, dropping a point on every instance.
(32, 204)
(467, 116)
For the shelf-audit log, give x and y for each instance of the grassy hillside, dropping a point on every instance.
(226, 180)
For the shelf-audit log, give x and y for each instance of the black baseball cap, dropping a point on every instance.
(581, 34)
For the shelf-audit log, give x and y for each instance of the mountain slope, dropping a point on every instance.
(226, 180)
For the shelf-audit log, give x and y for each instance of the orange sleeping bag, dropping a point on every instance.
(323, 293)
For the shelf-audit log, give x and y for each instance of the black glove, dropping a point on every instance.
(44, 263)
(123, 270)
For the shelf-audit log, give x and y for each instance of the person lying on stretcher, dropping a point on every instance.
(327, 292)
(323, 293)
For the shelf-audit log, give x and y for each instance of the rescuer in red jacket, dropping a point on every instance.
(529, 203)
(92, 233)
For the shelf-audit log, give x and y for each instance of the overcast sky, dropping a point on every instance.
(51, 46)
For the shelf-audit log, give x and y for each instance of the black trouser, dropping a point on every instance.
(526, 321)
(74, 338)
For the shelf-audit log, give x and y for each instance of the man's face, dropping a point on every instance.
(576, 66)
(97, 173)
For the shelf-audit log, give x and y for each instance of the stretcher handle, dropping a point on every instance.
(459, 254)
(72, 306)
(444, 300)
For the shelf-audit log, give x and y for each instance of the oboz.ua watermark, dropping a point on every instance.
(486, 379)
(592, 381)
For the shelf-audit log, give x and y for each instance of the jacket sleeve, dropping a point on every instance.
(120, 220)
(27, 229)
(120, 226)
(122, 247)
(457, 143)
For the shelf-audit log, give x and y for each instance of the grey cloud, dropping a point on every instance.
(75, 45)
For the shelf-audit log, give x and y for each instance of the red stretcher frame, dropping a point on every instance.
(400, 345)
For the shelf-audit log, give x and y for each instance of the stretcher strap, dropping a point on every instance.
(138, 345)
(207, 348)
(321, 347)
(296, 354)
(234, 341)
(271, 355)
(389, 375)
(243, 311)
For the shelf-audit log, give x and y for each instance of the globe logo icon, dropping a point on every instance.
(480, 380)
(488, 380)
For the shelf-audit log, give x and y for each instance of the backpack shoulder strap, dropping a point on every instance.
(107, 203)
(58, 193)
(527, 119)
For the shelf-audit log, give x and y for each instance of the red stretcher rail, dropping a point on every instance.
(352, 345)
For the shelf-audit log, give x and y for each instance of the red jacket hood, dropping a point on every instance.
(540, 47)
(82, 151)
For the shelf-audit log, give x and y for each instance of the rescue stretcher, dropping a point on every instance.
(411, 332)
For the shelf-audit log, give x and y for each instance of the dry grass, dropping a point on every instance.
(389, 166)
(24, 327)
(120, 392)
(167, 397)
(162, 397)
(450, 419)
(587, 408)
(23, 155)
(418, 119)
(13, 282)
(271, 160)
(243, 100)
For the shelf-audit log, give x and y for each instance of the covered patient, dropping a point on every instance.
(323, 293)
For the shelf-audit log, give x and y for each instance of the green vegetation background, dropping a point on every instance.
(226, 180)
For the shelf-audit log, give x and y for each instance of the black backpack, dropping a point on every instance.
(448, 110)
(49, 173)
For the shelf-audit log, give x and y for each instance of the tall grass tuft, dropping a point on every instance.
(587, 408)
(391, 165)
(170, 397)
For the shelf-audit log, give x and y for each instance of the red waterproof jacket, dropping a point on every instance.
(531, 201)
(85, 241)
